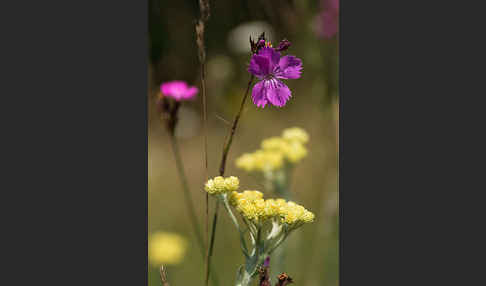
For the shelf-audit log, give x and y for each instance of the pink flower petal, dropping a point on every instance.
(289, 67)
(190, 92)
(272, 55)
(259, 66)
(258, 94)
(277, 92)
(178, 90)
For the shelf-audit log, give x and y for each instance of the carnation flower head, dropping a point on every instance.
(178, 90)
(270, 67)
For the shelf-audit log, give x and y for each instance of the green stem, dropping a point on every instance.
(186, 192)
(281, 186)
(235, 222)
(282, 239)
(187, 197)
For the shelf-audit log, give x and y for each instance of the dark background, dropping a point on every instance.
(74, 143)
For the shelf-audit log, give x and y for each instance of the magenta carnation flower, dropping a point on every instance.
(178, 90)
(268, 66)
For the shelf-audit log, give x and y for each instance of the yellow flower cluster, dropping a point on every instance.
(260, 160)
(220, 185)
(275, 151)
(166, 248)
(253, 207)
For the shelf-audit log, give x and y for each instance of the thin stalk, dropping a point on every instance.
(227, 145)
(232, 216)
(205, 132)
(222, 167)
(163, 276)
(282, 239)
(281, 186)
(278, 261)
(235, 222)
(187, 196)
(200, 28)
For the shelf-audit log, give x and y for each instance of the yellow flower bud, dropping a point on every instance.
(220, 185)
(232, 184)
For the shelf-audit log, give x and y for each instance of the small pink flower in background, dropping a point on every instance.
(269, 67)
(178, 90)
(328, 22)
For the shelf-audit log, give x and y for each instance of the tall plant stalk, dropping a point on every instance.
(222, 167)
(200, 28)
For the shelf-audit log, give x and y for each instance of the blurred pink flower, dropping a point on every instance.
(328, 21)
(178, 90)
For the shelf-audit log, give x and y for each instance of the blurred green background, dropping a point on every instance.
(313, 249)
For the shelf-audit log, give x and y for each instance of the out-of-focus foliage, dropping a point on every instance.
(313, 250)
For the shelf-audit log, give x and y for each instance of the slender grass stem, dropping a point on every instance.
(187, 195)
(200, 28)
(211, 243)
(188, 200)
(205, 135)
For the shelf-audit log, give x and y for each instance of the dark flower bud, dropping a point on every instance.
(262, 37)
(283, 279)
(163, 105)
(252, 45)
(263, 271)
(284, 45)
(260, 43)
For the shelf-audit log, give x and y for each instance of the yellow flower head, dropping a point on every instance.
(295, 151)
(295, 134)
(275, 151)
(252, 206)
(220, 185)
(268, 160)
(295, 215)
(166, 248)
(261, 160)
